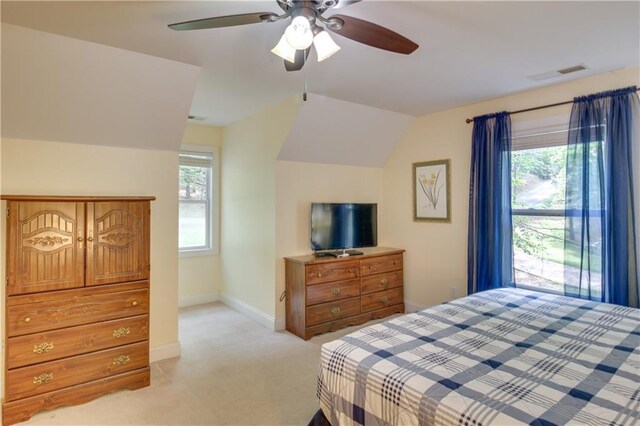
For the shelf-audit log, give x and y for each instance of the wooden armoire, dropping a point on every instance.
(77, 300)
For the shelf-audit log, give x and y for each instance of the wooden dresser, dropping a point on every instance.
(77, 300)
(325, 293)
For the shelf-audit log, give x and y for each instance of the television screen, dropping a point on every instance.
(343, 225)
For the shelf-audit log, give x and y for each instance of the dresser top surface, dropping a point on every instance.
(76, 198)
(367, 252)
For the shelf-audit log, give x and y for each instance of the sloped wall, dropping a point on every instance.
(58, 88)
(332, 131)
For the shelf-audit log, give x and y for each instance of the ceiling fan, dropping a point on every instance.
(305, 29)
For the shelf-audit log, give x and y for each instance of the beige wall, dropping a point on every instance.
(199, 275)
(52, 168)
(248, 201)
(436, 257)
(300, 184)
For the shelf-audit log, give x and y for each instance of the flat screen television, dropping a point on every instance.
(336, 226)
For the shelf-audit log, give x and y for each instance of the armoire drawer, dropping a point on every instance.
(380, 264)
(381, 282)
(336, 290)
(49, 376)
(381, 299)
(84, 308)
(332, 271)
(50, 345)
(326, 312)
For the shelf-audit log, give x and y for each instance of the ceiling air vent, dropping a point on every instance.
(557, 73)
(575, 68)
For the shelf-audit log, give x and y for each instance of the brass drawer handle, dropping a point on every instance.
(335, 310)
(319, 274)
(384, 299)
(384, 282)
(43, 378)
(27, 319)
(335, 291)
(42, 348)
(90, 239)
(121, 360)
(121, 332)
(134, 303)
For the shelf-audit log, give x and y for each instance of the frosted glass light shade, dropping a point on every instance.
(298, 34)
(284, 50)
(325, 46)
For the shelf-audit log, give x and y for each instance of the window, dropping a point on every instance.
(195, 201)
(538, 178)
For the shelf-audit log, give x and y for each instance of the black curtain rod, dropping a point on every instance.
(470, 120)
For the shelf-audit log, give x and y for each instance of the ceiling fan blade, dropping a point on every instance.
(300, 59)
(223, 21)
(344, 3)
(371, 34)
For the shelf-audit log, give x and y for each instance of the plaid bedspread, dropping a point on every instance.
(500, 357)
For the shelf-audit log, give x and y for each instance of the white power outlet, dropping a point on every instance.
(452, 292)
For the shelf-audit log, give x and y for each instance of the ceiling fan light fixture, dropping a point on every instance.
(298, 34)
(325, 46)
(284, 50)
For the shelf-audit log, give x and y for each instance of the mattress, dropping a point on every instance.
(499, 357)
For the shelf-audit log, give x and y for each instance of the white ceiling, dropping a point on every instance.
(469, 51)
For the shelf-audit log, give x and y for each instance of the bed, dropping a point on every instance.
(499, 357)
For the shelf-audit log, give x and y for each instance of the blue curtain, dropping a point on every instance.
(600, 205)
(490, 256)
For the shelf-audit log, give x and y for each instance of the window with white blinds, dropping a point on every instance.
(195, 201)
(538, 162)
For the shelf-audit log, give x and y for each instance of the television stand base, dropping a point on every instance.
(343, 253)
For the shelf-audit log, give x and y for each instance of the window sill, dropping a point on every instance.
(540, 289)
(197, 253)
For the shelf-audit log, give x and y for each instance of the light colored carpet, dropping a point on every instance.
(232, 371)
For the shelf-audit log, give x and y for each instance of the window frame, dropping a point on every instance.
(213, 204)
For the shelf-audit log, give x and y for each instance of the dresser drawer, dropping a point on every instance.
(332, 271)
(337, 290)
(50, 345)
(326, 312)
(83, 308)
(49, 376)
(378, 265)
(381, 299)
(381, 282)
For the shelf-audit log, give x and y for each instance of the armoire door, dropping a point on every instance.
(117, 241)
(45, 246)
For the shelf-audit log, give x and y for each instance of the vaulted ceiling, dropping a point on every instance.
(469, 51)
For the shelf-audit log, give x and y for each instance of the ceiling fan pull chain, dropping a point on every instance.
(304, 94)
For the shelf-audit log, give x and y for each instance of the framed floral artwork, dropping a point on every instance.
(432, 191)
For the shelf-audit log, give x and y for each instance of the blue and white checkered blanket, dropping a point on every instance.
(499, 357)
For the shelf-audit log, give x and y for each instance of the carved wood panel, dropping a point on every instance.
(117, 242)
(45, 246)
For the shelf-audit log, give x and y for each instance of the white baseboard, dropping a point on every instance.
(410, 307)
(280, 324)
(199, 299)
(249, 311)
(172, 350)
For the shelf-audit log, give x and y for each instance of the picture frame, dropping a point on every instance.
(432, 191)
